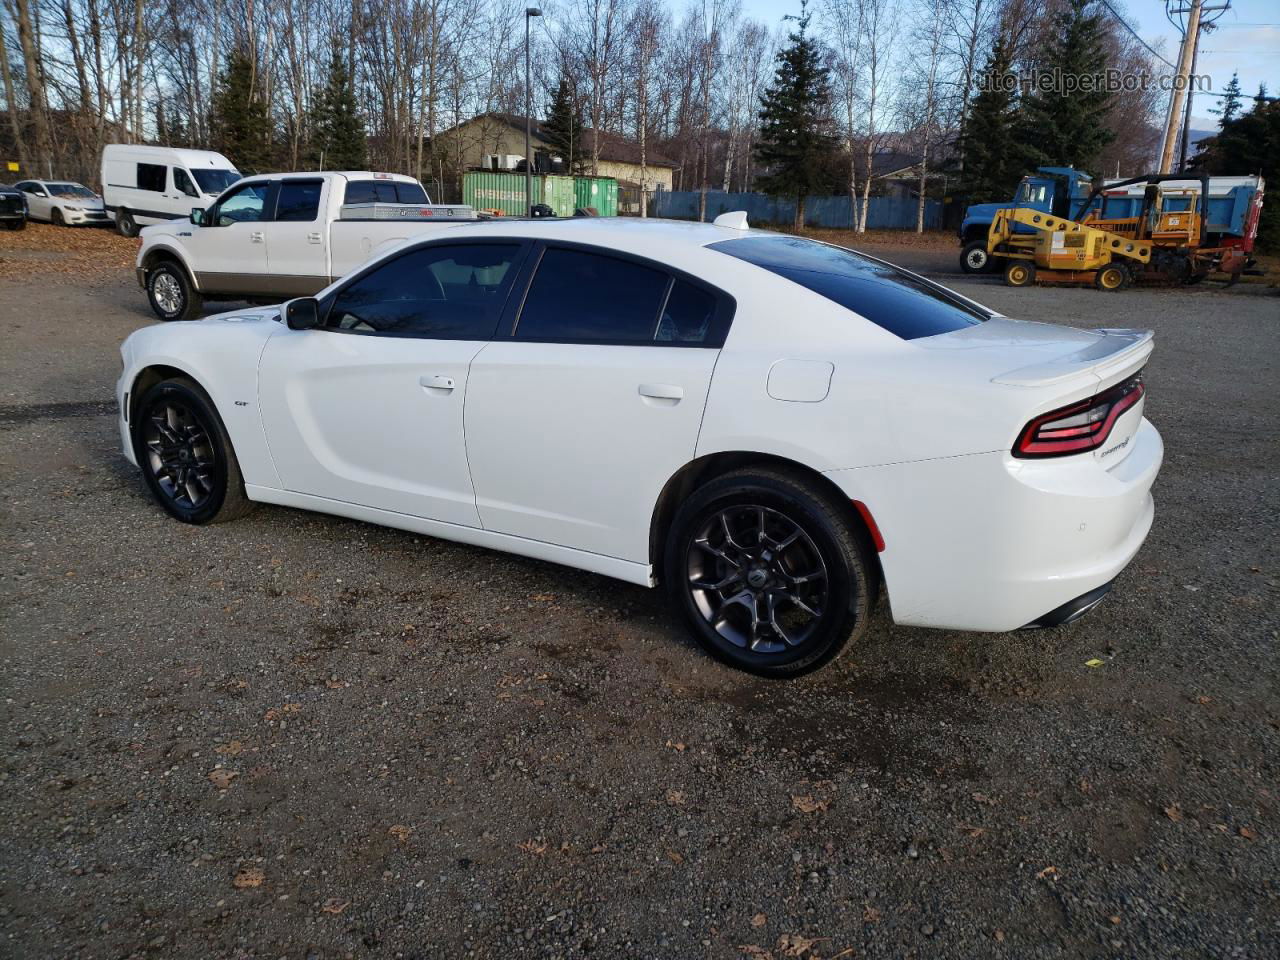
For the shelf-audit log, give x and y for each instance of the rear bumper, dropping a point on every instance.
(988, 542)
(1072, 610)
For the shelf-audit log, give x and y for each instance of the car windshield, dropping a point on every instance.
(907, 306)
(71, 190)
(215, 181)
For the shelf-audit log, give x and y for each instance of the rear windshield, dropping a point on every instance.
(384, 191)
(906, 306)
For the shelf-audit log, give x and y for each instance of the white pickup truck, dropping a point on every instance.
(276, 236)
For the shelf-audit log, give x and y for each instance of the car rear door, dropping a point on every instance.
(367, 408)
(297, 241)
(577, 418)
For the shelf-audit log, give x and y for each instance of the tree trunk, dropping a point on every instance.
(38, 105)
(798, 225)
(924, 175)
(23, 159)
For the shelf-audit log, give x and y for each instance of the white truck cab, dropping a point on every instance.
(142, 185)
(276, 236)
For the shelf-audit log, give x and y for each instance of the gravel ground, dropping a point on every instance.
(299, 736)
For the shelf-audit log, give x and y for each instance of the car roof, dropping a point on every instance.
(652, 237)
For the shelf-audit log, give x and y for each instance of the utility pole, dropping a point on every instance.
(1186, 67)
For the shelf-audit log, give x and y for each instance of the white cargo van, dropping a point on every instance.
(142, 185)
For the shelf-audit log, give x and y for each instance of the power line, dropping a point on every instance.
(1134, 34)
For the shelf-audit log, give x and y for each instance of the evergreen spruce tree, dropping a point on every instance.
(1061, 127)
(796, 141)
(1249, 144)
(241, 119)
(1229, 105)
(337, 129)
(993, 164)
(562, 130)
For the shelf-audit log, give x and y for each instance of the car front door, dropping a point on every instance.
(576, 420)
(298, 258)
(367, 408)
(229, 248)
(39, 205)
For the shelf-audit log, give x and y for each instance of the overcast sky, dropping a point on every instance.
(1246, 39)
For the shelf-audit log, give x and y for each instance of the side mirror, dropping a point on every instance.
(302, 314)
(197, 216)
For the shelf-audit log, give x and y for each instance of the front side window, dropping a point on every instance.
(298, 201)
(183, 182)
(587, 297)
(907, 306)
(213, 182)
(151, 176)
(445, 292)
(244, 205)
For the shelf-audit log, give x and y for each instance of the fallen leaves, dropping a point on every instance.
(335, 905)
(808, 804)
(1174, 813)
(76, 253)
(1047, 873)
(1094, 663)
(1248, 834)
(533, 847)
(248, 878)
(232, 748)
(678, 747)
(675, 798)
(278, 713)
(794, 945)
(221, 777)
(759, 920)
(400, 832)
(675, 857)
(971, 831)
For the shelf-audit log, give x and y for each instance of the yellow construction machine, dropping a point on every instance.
(1165, 242)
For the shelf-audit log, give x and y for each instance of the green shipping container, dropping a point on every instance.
(558, 194)
(495, 190)
(600, 193)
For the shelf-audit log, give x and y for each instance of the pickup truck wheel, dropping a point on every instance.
(126, 226)
(171, 294)
(974, 258)
(16, 224)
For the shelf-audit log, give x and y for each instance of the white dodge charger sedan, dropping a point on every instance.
(770, 427)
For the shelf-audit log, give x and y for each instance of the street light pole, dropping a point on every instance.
(529, 12)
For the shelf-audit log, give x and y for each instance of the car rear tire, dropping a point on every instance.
(126, 226)
(171, 294)
(974, 258)
(186, 456)
(1020, 273)
(57, 219)
(769, 573)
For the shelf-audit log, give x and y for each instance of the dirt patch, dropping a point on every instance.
(76, 254)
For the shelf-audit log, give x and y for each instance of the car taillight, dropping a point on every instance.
(1080, 426)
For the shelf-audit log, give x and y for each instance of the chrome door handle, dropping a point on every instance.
(255, 237)
(662, 391)
(443, 384)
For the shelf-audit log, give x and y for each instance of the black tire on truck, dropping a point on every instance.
(171, 293)
(974, 258)
(126, 226)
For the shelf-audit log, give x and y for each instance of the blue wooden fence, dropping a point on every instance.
(883, 213)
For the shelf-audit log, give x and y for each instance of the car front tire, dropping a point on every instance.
(769, 573)
(171, 294)
(57, 219)
(186, 456)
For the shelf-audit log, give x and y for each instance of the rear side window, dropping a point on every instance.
(585, 297)
(151, 176)
(298, 200)
(383, 191)
(906, 306)
(444, 292)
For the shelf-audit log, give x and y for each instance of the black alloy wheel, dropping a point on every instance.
(186, 456)
(771, 575)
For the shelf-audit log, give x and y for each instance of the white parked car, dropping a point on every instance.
(769, 426)
(143, 184)
(62, 203)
